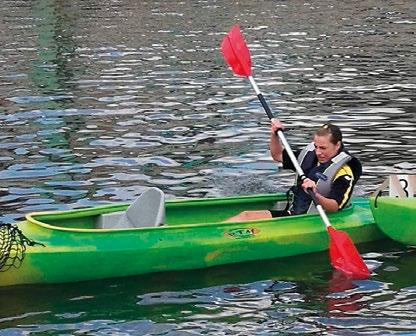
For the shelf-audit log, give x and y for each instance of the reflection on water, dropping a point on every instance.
(99, 99)
(102, 98)
(293, 295)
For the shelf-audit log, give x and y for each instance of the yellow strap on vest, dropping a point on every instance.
(345, 171)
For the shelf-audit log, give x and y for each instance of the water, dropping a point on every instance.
(99, 99)
(294, 296)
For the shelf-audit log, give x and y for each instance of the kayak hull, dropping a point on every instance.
(396, 217)
(194, 236)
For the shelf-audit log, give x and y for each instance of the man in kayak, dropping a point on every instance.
(330, 170)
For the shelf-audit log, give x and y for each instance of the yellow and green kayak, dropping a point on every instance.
(396, 217)
(72, 245)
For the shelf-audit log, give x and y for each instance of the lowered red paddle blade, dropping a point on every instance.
(236, 53)
(344, 256)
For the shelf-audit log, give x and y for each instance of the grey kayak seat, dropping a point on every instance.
(148, 210)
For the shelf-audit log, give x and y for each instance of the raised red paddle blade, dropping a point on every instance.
(236, 53)
(344, 256)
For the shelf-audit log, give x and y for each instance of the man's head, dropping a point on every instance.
(328, 141)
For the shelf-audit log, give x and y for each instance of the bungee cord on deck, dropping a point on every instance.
(13, 245)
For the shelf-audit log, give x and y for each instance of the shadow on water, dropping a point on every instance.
(307, 268)
(304, 286)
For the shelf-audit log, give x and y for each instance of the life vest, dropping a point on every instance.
(323, 175)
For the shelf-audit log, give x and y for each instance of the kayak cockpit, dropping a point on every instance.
(177, 212)
(147, 210)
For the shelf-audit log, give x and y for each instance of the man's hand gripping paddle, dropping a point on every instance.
(343, 254)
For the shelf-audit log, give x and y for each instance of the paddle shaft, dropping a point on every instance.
(289, 151)
(344, 256)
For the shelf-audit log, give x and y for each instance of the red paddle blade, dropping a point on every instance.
(344, 256)
(236, 53)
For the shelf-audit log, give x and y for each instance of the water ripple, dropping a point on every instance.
(98, 105)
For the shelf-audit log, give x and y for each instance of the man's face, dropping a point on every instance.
(325, 150)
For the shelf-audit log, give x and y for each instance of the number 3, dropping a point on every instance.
(405, 184)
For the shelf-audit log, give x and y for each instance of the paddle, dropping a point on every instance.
(343, 254)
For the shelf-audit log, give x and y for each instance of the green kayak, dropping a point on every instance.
(73, 245)
(396, 217)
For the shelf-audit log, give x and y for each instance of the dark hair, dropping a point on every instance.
(332, 130)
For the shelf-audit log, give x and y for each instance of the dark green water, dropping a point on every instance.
(99, 99)
(300, 295)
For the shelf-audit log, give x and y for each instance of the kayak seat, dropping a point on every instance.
(148, 210)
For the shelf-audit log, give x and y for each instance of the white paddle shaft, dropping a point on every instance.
(289, 151)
